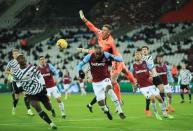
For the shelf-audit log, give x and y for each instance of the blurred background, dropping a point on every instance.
(34, 26)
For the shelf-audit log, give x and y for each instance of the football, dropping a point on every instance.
(62, 44)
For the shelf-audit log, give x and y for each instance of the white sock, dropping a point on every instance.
(166, 101)
(61, 106)
(115, 100)
(163, 108)
(104, 108)
(154, 107)
(83, 92)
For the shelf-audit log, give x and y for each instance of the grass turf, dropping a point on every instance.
(80, 119)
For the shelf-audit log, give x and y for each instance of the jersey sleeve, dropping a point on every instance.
(150, 65)
(92, 27)
(84, 61)
(113, 57)
(169, 74)
(150, 62)
(53, 70)
(190, 75)
(8, 66)
(179, 78)
(131, 68)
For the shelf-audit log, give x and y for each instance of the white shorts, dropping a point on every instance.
(150, 91)
(100, 88)
(81, 85)
(53, 91)
(66, 87)
(167, 89)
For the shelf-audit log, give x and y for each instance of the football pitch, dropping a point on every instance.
(80, 119)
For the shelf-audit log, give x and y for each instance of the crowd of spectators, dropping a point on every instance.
(156, 36)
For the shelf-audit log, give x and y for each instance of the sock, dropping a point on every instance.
(83, 91)
(94, 100)
(130, 77)
(53, 111)
(26, 101)
(15, 101)
(147, 104)
(45, 117)
(104, 108)
(169, 101)
(166, 101)
(154, 107)
(190, 96)
(182, 96)
(162, 96)
(115, 100)
(163, 108)
(117, 90)
(61, 106)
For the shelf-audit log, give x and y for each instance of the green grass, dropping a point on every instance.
(79, 119)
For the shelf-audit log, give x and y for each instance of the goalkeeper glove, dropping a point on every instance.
(82, 16)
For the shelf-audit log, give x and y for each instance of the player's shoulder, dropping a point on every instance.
(13, 61)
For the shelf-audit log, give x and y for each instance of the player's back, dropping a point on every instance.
(67, 79)
(163, 70)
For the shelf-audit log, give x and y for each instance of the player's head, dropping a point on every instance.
(159, 59)
(15, 53)
(145, 50)
(65, 71)
(106, 31)
(42, 60)
(21, 60)
(138, 55)
(98, 50)
(183, 66)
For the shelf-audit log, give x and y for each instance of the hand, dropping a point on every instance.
(135, 86)
(81, 74)
(134, 89)
(82, 16)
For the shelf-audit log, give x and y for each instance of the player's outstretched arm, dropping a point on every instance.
(88, 23)
(113, 57)
(82, 17)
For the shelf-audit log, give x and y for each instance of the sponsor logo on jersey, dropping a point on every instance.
(141, 71)
(98, 64)
(47, 74)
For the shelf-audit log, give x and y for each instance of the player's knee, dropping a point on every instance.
(152, 99)
(101, 103)
(109, 87)
(59, 99)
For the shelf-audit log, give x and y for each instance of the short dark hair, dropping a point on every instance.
(108, 26)
(138, 49)
(41, 56)
(145, 47)
(20, 55)
(159, 56)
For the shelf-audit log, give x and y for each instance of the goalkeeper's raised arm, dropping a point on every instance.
(88, 23)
